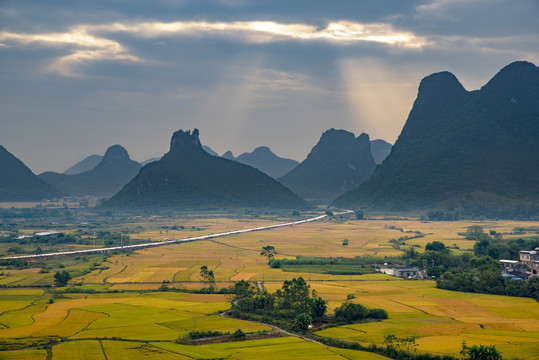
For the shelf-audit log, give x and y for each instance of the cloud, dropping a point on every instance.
(346, 32)
(88, 43)
(84, 47)
(447, 8)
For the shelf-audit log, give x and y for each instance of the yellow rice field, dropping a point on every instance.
(144, 325)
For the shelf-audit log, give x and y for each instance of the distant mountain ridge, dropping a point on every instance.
(474, 151)
(146, 162)
(229, 156)
(380, 150)
(338, 163)
(209, 150)
(19, 183)
(187, 177)
(113, 171)
(86, 164)
(263, 159)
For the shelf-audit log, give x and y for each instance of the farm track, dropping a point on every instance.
(282, 331)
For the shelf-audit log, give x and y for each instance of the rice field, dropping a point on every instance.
(440, 319)
(278, 348)
(134, 324)
(238, 257)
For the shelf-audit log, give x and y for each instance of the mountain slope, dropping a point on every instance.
(209, 150)
(263, 159)
(229, 156)
(339, 162)
(146, 162)
(471, 150)
(189, 178)
(19, 183)
(86, 164)
(380, 150)
(108, 177)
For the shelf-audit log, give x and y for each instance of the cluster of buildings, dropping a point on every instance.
(522, 269)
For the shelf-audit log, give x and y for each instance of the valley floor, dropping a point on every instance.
(128, 318)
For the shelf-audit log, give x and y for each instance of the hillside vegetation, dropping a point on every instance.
(474, 151)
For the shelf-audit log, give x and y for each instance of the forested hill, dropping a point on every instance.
(113, 171)
(472, 151)
(19, 183)
(187, 177)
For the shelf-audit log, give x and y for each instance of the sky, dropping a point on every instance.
(79, 76)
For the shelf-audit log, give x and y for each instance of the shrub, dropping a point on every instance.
(238, 334)
(380, 314)
(303, 321)
(350, 312)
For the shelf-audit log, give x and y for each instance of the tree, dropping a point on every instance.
(410, 253)
(207, 276)
(303, 321)
(345, 242)
(243, 289)
(204, 273)
(436, 246)
(350, 312)
(319, 307)
(475, 232)
(269, 252)
(294, 295)
(406, 344)
(481, 352)
(238, 334)
(436, 215)
(211, 278)
(360, 215)
(62, 278)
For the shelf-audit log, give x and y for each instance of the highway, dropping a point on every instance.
(168, 242)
